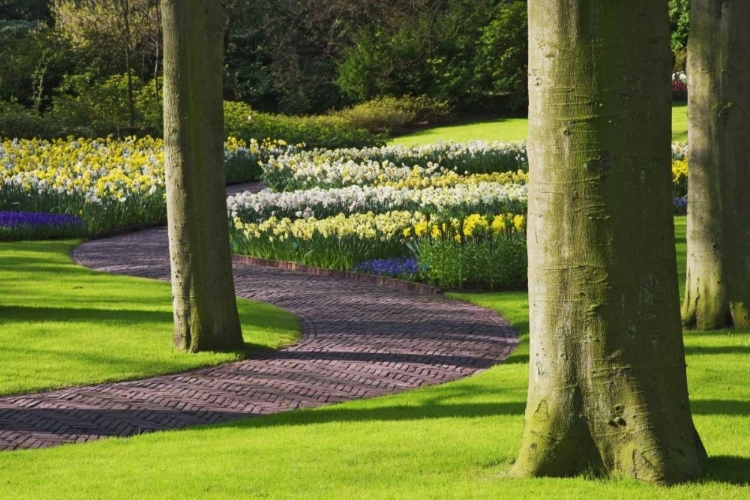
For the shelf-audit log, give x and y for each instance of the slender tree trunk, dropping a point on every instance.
(128, 57)
(608, 389)
(205, 308)
(717, 292)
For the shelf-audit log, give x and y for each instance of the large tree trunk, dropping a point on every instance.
(717, 292)
(205, 307)
(608, 389)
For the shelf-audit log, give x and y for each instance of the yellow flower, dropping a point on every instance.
(498, 224)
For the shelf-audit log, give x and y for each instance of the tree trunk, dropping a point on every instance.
(128, 57)
(205, 308)
(608, 389)
(717, 292)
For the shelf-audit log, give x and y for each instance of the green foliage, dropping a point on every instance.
(497, 263)
(281, 55)
(679, 15)
(459, 50)
(18, 121)
(242, 122)
(301, 57)
(501, 64)
(90, 108)
(391, 114)
(32, 62)
(30, 10)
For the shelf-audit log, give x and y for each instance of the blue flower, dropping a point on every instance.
(395, 268)
(35, 219)
(680, 205)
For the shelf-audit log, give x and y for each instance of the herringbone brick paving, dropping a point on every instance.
(359, 340)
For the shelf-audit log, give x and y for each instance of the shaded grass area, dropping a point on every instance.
(512, 129)
(64, 325)
(457, 440)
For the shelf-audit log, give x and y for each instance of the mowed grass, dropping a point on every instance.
(457, 440)
(680, 122)
(512, 129)
(63, 325)
(509, 129)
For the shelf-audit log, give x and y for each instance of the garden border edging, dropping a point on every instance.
(419, 288)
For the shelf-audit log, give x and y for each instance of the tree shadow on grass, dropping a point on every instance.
(720, 407)
(59, 425)
(727, 349)
(727, 469)
(85, 315)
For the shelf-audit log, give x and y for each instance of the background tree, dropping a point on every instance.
(27, 10)
(108, 27)
(205, 306)
(679, 15)
(717, 292)
(608, 389)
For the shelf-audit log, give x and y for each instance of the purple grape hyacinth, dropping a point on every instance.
(680, 205)
(395, 268)
(12, 219)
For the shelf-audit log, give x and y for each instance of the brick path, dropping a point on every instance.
(359, 340)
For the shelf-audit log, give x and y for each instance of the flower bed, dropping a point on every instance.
(460, 200)
(33, 225)
(390, 211)
(485, 245)
(108, 183)
(393, 164)
(469, 157)
(399, 212)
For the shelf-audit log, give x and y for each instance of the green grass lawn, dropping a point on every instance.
(63, 325)
(457, 440)
(680, 122)
(512, 129)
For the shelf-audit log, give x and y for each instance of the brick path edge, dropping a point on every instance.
(359, 340)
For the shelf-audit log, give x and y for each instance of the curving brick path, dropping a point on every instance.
(359, 340)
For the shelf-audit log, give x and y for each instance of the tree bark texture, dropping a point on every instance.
(608, 388)
(717, 292)
(205, 307)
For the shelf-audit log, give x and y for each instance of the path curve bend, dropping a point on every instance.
(359, 340)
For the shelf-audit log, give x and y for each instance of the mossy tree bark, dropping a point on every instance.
(205, 307)
(717, 292)
(608, 388)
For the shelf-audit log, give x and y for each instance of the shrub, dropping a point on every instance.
(391, 114)
(89, 108)
(17, 121)
(241, 121)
